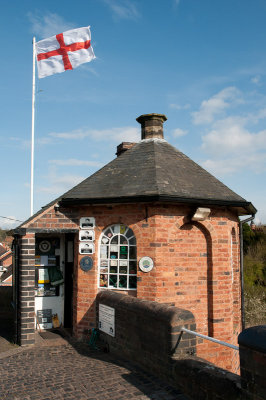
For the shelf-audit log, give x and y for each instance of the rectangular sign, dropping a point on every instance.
(44, 318)
(43, 275)
(107, 319)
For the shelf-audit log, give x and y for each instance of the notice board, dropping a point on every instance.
(107, 319)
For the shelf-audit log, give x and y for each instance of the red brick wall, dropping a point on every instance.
(6, 259)
(193, 266)
(52, 219)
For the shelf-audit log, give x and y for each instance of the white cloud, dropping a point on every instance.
(180, 107)
(256, 79)
(178, 132)
(216, 105)
(233, 144)
(87, 67)
(176, 3)
(76, 163)
(123, 9)
(43, 141)
(229, 165)
(231, 136)
(6, 223)
(26, 143)
(126, 134)
(59, 184)
(49, 24)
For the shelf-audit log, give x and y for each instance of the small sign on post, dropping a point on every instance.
(107, 319)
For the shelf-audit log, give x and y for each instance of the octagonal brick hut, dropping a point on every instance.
(151, 201)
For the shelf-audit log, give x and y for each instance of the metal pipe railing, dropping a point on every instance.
(207, 338)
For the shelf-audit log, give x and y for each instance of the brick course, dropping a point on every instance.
(196, 265)
(26, 301)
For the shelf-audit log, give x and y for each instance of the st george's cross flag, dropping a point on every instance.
(64, 51)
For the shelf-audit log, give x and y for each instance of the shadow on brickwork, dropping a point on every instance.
(7, 318)
(209, 272)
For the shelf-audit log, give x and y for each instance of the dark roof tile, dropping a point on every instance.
(152, 168)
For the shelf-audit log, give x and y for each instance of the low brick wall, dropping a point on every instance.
(147, 333)
(252, 347)
(204, 381)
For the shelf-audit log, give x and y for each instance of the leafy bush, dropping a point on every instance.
(254, 243)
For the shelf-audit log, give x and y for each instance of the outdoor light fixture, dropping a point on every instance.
(56, 207)
(201, 214)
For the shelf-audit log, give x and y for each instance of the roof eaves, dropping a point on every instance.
(159, 197)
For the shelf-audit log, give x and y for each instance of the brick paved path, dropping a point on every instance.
(73, 371)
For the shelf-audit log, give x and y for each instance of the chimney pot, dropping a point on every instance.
(122, 147)
(151, 125)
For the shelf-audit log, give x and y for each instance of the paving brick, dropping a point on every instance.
(72, 371)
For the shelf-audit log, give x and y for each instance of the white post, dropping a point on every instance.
(32, 128)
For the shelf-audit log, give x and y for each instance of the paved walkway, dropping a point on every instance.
(58, 369)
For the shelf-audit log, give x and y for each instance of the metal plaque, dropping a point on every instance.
(86, 263)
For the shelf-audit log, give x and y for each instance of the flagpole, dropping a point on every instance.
(32, 127)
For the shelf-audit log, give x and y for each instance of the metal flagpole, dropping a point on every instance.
(32, 128)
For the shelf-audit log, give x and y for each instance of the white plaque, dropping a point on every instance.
(107, 319)
(146, 264)
(86, 235)
(86, 248)
(87, 222)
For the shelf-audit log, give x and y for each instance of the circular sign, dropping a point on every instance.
(146, 264)
(86, 263)
(45, 246)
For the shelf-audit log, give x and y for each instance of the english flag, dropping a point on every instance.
(64, 51)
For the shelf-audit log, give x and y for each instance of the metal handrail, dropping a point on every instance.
(208, 338)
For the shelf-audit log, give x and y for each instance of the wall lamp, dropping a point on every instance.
(201, 214)
(56, 207)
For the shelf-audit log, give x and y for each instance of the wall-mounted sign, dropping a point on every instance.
(107, 319)
(146, 264)
(44, 246)
(44, 318)
(86, 263)
(87, 222)
(86, 235)
(86, 248)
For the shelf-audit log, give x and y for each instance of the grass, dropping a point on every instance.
(255, 305)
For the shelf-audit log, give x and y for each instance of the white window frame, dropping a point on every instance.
(115, 230)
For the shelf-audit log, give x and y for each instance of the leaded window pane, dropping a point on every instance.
(118, 258)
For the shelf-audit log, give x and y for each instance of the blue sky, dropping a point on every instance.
(201, 63)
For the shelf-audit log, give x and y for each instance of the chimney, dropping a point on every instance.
(122, 147)
(152, 125)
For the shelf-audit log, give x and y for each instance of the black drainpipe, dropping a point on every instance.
(242, 268)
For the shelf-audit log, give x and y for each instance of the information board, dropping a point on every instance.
(44, 318)
(107, 319)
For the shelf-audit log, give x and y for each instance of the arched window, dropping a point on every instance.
(118, 258)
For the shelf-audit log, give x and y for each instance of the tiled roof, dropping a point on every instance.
(153, 169)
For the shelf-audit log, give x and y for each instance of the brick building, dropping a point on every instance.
(150, 209)
(5, 265)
